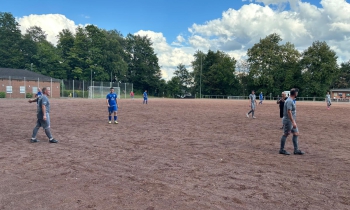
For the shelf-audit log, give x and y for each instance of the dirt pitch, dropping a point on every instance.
(173, 154)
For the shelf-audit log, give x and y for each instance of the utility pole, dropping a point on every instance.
(200, 80)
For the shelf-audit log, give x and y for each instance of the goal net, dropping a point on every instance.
(102, 91)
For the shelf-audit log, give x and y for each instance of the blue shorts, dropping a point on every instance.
(145, 98)
(112, 109)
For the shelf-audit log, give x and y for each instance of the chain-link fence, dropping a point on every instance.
(93, 89)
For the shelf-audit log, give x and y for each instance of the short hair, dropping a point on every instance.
(293, 91)
(43, 90)
(111, 88)
(253, 90)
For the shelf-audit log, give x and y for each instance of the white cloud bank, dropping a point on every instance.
(238, 30)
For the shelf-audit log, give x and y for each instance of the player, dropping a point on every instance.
(261, 97)
(132, 95)
(112, 104)
(252, 103)
(289, 124)
(43, 115)
(328, 100)
(37, 96)
(281, 105)
(145, 97)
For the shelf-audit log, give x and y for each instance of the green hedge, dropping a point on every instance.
(78, 93)
(2, 95)
(29, 95)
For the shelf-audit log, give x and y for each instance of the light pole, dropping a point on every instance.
(200, 80)
(31, 66)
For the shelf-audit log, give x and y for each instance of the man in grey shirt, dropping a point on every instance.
(43, 115)
(252, 104)
(328, 100)
(289, 124)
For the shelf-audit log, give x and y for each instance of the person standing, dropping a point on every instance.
(281, 105)
(43, 115)
(112, 104)
(328, 100)
(289, 124)
(252, 103)
(132, 95)
(37, 96)
(145, 97)
(261, 97)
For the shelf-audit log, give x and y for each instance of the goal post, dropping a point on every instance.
(102, 91)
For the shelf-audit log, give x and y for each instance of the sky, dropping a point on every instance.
(178, 28)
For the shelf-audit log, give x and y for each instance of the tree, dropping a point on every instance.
(319, 68)
(343, 79)
(11, 55)
(185, 78)
(143, 69)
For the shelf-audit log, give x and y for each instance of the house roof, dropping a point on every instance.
(344, 90)
(19, 74)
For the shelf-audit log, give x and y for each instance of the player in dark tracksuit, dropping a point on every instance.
(281, 105)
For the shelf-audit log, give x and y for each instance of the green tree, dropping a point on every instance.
(343, 79)
(11, 55)
(173, 87)
(143, 69)
(319, 68)
(184, 76)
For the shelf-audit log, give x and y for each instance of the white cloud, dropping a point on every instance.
(52, 24)
(169, 56)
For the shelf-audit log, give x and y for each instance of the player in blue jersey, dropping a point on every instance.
(37, 96)
(112, 104)
(145, 97)
(261, 97)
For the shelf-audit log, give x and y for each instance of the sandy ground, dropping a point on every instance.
(173, 154)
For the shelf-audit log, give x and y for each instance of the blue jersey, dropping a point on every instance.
(261, 96)
(145, 94)
(112, 99)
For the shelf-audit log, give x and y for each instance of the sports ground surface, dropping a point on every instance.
(173, 154)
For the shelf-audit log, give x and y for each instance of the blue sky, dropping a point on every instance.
(178, 28)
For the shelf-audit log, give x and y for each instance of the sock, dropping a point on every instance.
(295, 142)
(115, 118)
(283, 141)
(110, 117)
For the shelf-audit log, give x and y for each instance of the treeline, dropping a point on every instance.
(107, 55)
(270, 67)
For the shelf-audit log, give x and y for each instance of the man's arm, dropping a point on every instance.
(291, 118)
(33, 100)
(43, 107)
(107, 102)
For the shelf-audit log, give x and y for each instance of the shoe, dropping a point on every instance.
(281, 127)
(53, 141)
(254, 117)
(109, 122)
(34, 140)
(115, 122)
(247, 115)
(284, 152)
(298, 152)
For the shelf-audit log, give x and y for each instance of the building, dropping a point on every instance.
(16, 83)
(340, 93)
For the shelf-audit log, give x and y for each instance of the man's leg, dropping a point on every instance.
(295, 142)
(109, 115)
(287, 127)
(35, 132)
(115, 117)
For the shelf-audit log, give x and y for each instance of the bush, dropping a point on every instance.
(2, 95)
(29, 95)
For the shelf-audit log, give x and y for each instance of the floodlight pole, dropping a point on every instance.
(91, 84)
(200, 80)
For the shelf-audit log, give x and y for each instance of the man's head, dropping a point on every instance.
(111, 89)
(253, 91)
(146, 91)
(328, 92)
(294, 92)
(283, 94)
(46, 91)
